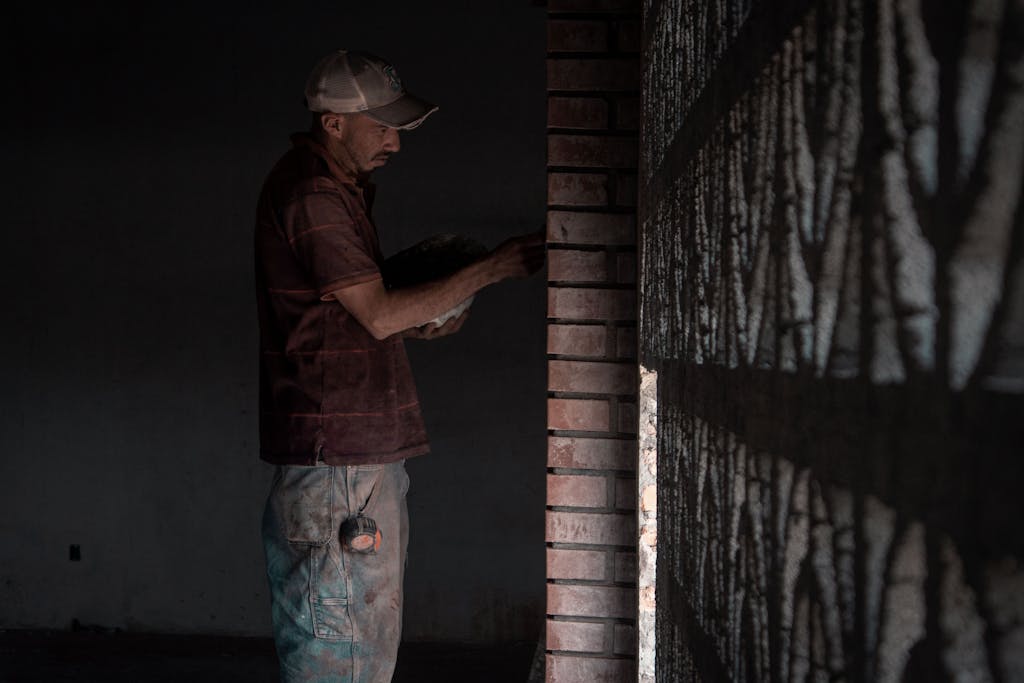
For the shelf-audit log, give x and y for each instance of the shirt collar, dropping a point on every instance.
(306, 140)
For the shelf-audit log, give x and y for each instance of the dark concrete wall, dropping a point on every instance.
(136, 140)
(832, 280)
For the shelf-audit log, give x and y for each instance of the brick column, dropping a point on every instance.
(593, 88)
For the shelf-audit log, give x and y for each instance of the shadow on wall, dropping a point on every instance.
(832, 288)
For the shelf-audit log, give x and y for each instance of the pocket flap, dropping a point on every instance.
(305, 502)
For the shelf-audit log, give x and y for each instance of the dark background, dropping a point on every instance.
(135, 142)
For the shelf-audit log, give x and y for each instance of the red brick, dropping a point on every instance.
(627, 35)
(577, 490)
(590, 377)
(569, 669)
(577, 340)
(625, 567)
(625, 494)
(593, 5)
(577, 112)
(579, 414)
(566, 265)
(578, 189)
(605, 75)
(593, 528)
(582, 565)
(625, 342)
(568, 35)
(571, 227)
(628, 418)
(627, 113)
(625, 190)
(576, 636)
(591, 151)
(591, 304)
(591, 601)
(571, 452)
(624, 639)
(626, 267)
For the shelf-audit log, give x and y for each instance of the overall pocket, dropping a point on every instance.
(304, 500)
(329, 586)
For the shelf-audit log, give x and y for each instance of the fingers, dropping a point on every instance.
(416, 332)
(532, 257)
(445, 328)
(458, 322)
(533, 239)
(522, 255)
(531, 242)
(535, 256)
(433, 331)
(452, 325)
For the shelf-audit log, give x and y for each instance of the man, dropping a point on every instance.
(338, 408)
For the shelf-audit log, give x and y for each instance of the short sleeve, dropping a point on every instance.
(328, 241)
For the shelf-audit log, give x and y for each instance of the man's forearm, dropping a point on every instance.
(413, 306)
(384, 313)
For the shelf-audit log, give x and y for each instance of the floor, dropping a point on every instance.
(59, 656)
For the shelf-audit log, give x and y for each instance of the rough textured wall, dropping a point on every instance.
(832, 296)
(593, 105)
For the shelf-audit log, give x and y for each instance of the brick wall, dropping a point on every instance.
(593, 87)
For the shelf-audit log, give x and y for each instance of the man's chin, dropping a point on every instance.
(374, 164)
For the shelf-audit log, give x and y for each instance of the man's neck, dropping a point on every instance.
(342, 161)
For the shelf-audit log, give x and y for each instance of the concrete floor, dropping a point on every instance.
(56, 657)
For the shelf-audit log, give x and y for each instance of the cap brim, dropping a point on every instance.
(407, 112)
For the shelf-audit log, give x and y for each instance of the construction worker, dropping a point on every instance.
(339, 413)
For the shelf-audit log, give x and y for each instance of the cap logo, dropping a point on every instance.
(393, 80)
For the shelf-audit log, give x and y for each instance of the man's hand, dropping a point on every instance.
(519, 257)
(432, 331)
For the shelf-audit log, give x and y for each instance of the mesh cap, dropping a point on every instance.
(346, 82)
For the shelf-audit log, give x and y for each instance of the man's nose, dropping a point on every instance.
(391, 141)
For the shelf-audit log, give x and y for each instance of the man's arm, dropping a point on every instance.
(384, 313)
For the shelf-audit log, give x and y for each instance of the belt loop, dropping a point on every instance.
(347, 473)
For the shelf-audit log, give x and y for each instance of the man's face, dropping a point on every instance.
(365, 144)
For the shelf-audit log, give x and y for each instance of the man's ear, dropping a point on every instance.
(333, 124)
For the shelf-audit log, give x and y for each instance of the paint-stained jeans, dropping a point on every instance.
(337, 614)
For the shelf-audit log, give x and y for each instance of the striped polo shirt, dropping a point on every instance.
(327, 387)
